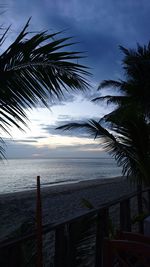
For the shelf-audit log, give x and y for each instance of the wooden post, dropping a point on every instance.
(39, 225)
(148, 192)
(101, 232)
(61, 246)
(108, 254)
(140, 207)
(125, 215)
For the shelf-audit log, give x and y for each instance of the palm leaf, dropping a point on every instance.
(110, 99)
(35, 70)
(110, 83)
(125, 146)
(2, 150)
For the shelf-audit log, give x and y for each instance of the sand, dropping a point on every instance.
(58, 202)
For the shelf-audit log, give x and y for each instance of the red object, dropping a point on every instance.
(130, 249)
(39, 225)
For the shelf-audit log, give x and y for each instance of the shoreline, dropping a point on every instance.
(64, 187)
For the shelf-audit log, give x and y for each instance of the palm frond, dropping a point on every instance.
(125, 145)
(35, 70)
(125, 50)
(3, 37)
(126, 131)
(110, 83)
(93, 128)
(83, 236)
(110, 99)
(2, 150)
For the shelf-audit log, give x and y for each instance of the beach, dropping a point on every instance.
(58, 202)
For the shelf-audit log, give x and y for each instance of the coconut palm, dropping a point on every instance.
(128, 143)
(134, 90)
(36, 69)
(125, 132)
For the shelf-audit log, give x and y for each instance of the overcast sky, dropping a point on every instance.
(99, 26)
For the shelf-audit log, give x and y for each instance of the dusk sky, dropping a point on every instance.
(99, 27)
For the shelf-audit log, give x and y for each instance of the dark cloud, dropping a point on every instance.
(99, 26)
(39, 137)
(16, 150)
(74, 133)
(51, 129)
(26, 140)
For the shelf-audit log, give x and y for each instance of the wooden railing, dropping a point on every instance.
(12, 251)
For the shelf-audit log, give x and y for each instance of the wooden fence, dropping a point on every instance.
(11, 252)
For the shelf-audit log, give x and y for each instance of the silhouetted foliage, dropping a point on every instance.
(36, 69)
(125, 132)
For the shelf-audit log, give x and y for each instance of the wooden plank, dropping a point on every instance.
(73, 235)
(148, 194)
(108, 254)
(101, 233)
(61, 246)
(140, 208)
(125, 215)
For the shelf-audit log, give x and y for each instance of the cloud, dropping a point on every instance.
(66, 98)
(25, 140)
(74, 133)
(63, 120)
(99, 26)
(39, 137)
(18, 150)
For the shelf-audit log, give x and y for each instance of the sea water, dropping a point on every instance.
(20, 174)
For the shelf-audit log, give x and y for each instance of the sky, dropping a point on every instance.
(98, 27)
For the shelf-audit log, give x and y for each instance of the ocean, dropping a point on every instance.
(20, 174)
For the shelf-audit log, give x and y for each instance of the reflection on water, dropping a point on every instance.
(20, 174)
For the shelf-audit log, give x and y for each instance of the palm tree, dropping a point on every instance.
(125, 132)
(134, 90)
(36, 70)
(129, 144)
